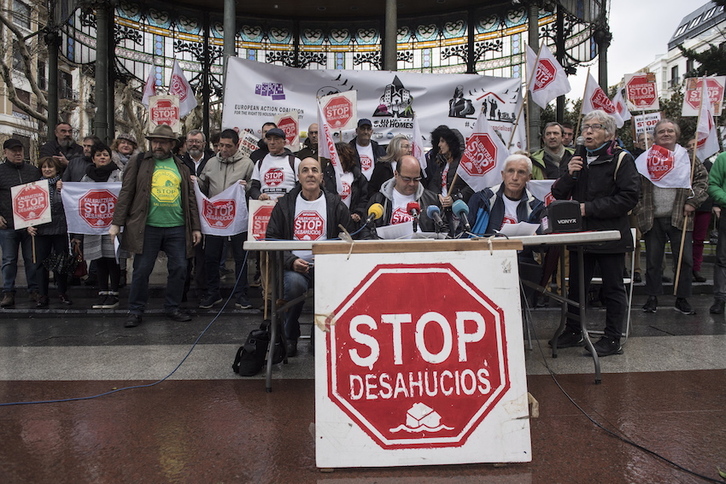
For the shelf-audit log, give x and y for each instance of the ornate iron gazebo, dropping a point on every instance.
(436, 36)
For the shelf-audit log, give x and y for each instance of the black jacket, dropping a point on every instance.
(282, 218)
(76, 168)
(53, 148)
(423, 197)
(208, 155)
(608, 196)
(11, 175)
(359, 189)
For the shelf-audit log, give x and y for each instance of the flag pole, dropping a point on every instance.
(693, 170)
(529, 76)
(579, 116)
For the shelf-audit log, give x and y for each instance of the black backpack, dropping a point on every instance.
(250, 357)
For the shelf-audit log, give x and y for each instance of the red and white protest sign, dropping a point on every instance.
(89, 207)
(96, 208)
(248, 142)
(179, 86)
(308, 225)
(595, 98)
(339, 110)
(483, 157)
(547, 78)
(665, 168)
(260, 211)
(645, 123)
(641, 91)
(224, 214)
(418, 383)
(289, 123)
(692, 96)
(164, 110)
(31, 204)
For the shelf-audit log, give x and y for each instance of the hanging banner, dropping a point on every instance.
(89, 207)
(257, 92)
(225, 214)
(31, 204)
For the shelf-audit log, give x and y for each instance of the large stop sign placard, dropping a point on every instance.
(414, 374)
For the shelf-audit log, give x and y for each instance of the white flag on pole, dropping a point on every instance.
(707, 136)
(547, 80)
(665, 168)
(326, 148)
(483, 159)
(595, 98)
(621, 106)
(417, 149)
(149, 87)
(179, 86)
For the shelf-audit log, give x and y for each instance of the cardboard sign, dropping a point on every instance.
(406, 384)
(290, 124)
(248, 143)
(259, 217)
(164, 110)
(641, 91)
(692, 95)
(645, 123)
(340, 110)
(31, 204)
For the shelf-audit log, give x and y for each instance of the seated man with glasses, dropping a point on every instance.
(607, 185)
(404, 188)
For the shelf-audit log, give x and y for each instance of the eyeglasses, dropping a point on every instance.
(585, 127)
(409, 179)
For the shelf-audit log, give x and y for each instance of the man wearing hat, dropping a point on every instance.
(158, 210)
(14, 171)
(368, 150)
(276, 173)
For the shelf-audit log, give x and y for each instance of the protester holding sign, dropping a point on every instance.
(668, 200)
(606, 184)
(383, 168)
(51, 239)
(14, 171)
(224, 170)
(101, 247)
(355, 185)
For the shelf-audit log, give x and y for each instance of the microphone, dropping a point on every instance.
(434, 213)
(580, 151)
(461, 210)
(375, 212)
(414, 210)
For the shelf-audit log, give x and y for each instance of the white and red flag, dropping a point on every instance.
(179, 86)
(89, 207)
(707, 143)
(595, 98)
(149, 87)
(225, 214)
(621, 106)
(326, 148)
(547, 79)
(417, 149)
(483, 159)
(665, 168)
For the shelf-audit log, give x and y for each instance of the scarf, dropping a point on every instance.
(100, 173)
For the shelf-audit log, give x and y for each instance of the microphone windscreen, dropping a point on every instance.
(431, 210)
(460, 207)
(376, 210)
(411, 206)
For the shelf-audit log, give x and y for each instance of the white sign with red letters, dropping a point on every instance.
(259, 217)
(419, 359)
(31, 204)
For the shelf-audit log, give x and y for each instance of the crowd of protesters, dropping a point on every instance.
(371, 173)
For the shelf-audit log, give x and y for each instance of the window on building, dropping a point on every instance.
(675, 76)
(21, 14)
(690, 66)
(65, 85)
(23, 96)
(17, 60)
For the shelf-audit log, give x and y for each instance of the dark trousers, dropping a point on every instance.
(172, 240)
(701, 222)
(655, 241)
(613, 290)
(44, 246)
(214, 247)
(108, 270)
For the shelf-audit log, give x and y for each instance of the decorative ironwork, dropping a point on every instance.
(404, 56)
(372, 58)
(287, 58)
(87, 17)
(306, 59)
(121, 33)
(480, 49)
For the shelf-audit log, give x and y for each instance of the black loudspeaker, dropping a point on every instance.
(562, 216)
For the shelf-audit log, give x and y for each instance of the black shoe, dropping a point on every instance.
(651, 305)
(42, 302)
(64, 299)
(178, 315)
(34, 296)
(132, 320)
(697, 277)
(111, 301)
(568, 339)
(8, 300)
(291, 348)
(717, 307)
(683, 306)
(101, 301)
(637, 278)
(243, 303)
(607, 346)
(210, 301)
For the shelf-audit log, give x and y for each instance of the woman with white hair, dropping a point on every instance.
(607, 185)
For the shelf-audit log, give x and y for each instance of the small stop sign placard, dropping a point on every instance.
(642, 92)
(96, 208)
(260, 212)
(417, 370)
(338, 112)
(480, 155)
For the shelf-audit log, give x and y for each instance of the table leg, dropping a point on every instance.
(582, 309)
(273, 282)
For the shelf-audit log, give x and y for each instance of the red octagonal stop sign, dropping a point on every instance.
(219, 213)
(641, 92)
(289, 125)
(96, 208)
(480, 155)
(338, 111)
(545, 75)
(417, 356)
(260, 219)
(30, 202)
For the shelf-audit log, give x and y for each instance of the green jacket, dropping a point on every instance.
(544, 167)
(717, 181)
